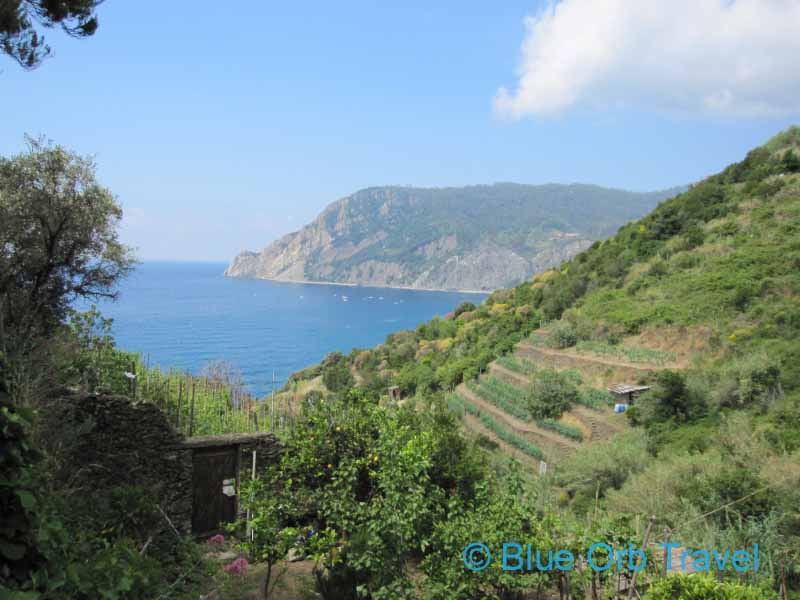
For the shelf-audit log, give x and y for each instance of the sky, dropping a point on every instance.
(222, 126)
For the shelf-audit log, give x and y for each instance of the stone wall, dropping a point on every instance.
(114, 442)
(102, 442)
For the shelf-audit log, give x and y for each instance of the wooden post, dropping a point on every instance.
(272, 411)
(667, 536)
(644, 547)
(178, 412)
(191, 413)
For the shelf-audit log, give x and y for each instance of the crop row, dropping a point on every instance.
(461, 407)
(503, 395)
(516, 364)
(630, 353)
(569, 432)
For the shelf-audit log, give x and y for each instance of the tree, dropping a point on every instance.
(791, 162)
(336, 373)
(551, 394)
(18, 18)
(58, 243)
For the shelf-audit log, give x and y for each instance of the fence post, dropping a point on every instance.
(191, 413)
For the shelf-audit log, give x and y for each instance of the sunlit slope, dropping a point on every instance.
(709, 278)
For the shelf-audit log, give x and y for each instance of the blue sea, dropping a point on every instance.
(186, 315)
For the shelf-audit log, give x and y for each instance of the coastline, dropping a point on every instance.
(377, 287)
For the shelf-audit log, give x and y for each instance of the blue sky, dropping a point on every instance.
(223, 129)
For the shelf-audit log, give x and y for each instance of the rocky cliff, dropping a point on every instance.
(471, 238)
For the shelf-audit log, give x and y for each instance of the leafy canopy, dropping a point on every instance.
(19, 37)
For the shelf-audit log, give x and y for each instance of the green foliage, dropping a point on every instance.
(461, 406)
(462, 308)
(336, 373)
(516, 364)
(19, 500)
(594, 398)
(56, 245)
(270, 508)
(749, 381)
(18, 35)
(598, 468)
(565, 430)
(704, 587)
(670, 401)
(551, 394)
(563, 335)
(497, 515)
(505, 396)
(372, 483)
(630, 353)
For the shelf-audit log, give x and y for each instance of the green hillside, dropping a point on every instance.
(699, 301)
(722, 257)
(477, 237)
(491, 425)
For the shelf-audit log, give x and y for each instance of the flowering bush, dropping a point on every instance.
(237, 567)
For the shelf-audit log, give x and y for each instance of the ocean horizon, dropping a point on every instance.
(185, 315)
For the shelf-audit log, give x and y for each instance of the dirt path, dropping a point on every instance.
(553, 445)
(602, 424)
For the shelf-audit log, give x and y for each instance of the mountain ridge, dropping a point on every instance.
(472, 238)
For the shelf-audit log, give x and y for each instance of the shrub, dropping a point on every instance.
(336, 373)
(564, 335)
(551, 394)
(704, 587)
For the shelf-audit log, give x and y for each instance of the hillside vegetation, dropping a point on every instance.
(491, 425)
(698, 300)
(475, 238)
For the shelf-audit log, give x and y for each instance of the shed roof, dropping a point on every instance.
(228, 439)
(626, 388)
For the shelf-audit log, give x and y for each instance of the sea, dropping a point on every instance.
(185, 315)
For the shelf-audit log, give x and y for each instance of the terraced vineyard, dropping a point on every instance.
(516, 364)
(498, 405)
(512, 400)
(458, 405)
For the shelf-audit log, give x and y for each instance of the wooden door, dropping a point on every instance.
(214, 481)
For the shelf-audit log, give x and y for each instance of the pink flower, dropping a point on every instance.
(216, 540)
(237, 567)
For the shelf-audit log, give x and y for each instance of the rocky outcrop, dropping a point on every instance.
(473, 238)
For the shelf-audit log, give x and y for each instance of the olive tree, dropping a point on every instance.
(58, 243)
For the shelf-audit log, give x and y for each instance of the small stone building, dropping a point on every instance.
(103, 442)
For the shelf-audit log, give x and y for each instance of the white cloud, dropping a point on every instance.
(731, 57)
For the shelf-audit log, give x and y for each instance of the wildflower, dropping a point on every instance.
(216, 540)
(237, 567)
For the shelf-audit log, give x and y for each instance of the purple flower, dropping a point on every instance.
(237, 567)
(216, 540)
